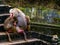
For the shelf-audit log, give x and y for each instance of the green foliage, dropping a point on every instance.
(57, 20)
(21, 8)
(30, 3)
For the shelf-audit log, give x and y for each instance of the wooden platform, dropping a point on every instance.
(19, 42)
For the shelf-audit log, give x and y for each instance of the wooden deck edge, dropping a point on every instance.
(19, 41)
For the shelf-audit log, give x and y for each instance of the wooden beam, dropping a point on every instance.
(19, 42)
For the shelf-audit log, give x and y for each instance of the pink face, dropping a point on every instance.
(11, 15)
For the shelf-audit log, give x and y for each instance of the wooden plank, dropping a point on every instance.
(45, 42)
(4, 14)
(19, 41)
(1, 24)
(3, 33)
